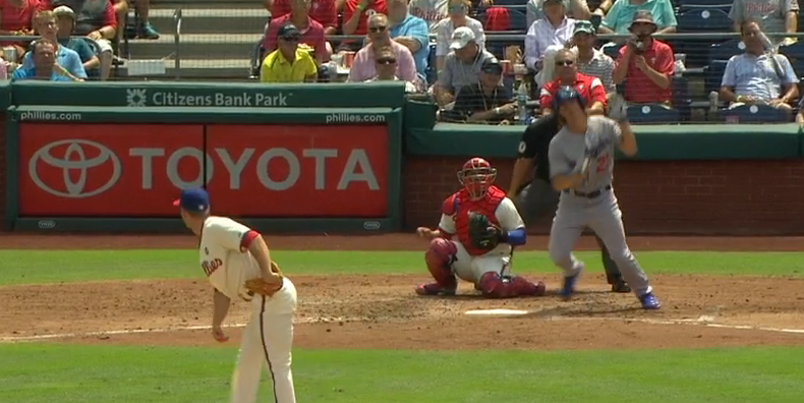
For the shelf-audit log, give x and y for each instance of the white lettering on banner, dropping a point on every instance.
(356, 169)
(141, 97)
(320, 154)
(293, 163)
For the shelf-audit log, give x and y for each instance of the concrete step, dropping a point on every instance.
(210, 21)
(200, 69)
(196, 46)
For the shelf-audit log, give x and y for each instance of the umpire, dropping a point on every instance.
(538, 197)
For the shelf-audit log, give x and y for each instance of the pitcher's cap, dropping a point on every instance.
(196, 199)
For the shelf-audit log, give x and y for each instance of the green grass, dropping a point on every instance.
(99, 374)
(27, 267)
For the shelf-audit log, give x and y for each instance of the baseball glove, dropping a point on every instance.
(262, 287)
(483, 234)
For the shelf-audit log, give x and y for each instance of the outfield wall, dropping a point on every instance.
(340, 158)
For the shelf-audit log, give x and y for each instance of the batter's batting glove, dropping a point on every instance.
(618, 109)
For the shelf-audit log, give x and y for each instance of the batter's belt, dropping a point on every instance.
(589, 195)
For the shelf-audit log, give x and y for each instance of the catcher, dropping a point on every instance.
(238, 264)
(475, 239)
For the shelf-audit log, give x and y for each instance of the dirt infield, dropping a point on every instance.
(382, 311)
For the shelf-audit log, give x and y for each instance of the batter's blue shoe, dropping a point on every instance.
(569, 287)
(649, 301)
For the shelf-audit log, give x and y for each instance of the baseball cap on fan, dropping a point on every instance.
(461, 37)
(196, 200)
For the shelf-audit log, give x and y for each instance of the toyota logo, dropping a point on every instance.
(73, 159)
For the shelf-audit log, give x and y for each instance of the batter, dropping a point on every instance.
(454, 246)
(582, 168)
(237, 263)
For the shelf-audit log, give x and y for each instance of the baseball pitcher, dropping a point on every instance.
(478, 231)
(238, 264)
(582, 168)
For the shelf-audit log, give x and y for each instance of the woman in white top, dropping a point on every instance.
(457, 18)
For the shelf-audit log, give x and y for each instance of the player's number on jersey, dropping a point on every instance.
(602, 163)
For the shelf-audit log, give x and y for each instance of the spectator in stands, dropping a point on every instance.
(65, 19)
(758, 76)
(646, 63)
(578, 9)
(289, 64)
(411, 32)
(45, 26)
(554, 29)
(312, 32)
(144, 28)
(773, 15)
(461, 66)
(457, 18)
(355, 19)
(431, 11)
(486, 100)
(323, 11)
(591, 61)
(385, 64)
(44, 65)
(618, 20)
(96, 20)
(16, 18)
(364, 64)
(121, 14)
(590, 88)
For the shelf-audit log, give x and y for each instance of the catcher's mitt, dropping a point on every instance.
(483, 234)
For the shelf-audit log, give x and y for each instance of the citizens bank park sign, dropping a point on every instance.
(256, 172)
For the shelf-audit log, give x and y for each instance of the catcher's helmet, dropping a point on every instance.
(476, 176)
(567, 93)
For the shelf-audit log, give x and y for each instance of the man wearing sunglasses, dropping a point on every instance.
(363, 67)
(356, 15)
(385, 64)
(566, 72)
(485, 101)
(288, 64)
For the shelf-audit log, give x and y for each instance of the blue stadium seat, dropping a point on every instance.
(681, 98)
(430, 71)
(613, 51)
(725, 50)
(704, 20)
(757, 114)
(508, 2)
(519, 21)
(654, 113)
(795, 53)
(713, 75)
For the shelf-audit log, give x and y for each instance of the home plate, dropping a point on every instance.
(497, 312)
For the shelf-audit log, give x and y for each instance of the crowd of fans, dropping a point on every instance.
(439, 48)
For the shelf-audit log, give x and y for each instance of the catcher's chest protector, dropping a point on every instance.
(486, 206)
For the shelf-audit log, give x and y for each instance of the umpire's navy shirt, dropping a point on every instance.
(536, 143)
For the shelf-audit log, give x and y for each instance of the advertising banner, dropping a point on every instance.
(299, 170)
(105, 170)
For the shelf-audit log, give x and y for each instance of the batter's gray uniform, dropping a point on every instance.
(591, 203)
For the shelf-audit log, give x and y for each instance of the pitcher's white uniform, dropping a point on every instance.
(268, 337)
(471, 268)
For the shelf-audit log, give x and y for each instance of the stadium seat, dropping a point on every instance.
(697, 21)
(795, 53)
(756, 114)
(681, 98)
(654, 113)
(613, 51)
(725, 50)
(713, 75)
(504, 20)
(430, 72)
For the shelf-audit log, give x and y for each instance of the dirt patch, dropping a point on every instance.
(383, 312)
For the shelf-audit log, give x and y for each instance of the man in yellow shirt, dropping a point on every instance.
(288, 63)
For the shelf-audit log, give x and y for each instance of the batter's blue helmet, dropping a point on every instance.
(567, 93)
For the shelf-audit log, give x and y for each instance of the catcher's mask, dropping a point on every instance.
(476, 176)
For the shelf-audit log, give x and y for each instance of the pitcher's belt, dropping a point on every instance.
(590, 195)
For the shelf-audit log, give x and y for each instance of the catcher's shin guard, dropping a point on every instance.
(493, 285)
(439, 257)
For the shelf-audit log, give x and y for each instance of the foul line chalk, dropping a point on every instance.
(496, 312)
(701, 321)
(19, 339)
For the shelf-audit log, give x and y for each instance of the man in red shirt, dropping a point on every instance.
(355, 19)
(590, 88)
(645, 63)
(323, 11)
(312, 32)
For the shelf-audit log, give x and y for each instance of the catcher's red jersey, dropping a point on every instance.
(499, 209)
